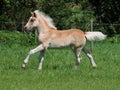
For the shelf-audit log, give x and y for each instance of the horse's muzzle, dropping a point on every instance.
(25, 27)
(26, 30)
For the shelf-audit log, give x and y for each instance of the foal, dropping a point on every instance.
(50, 37)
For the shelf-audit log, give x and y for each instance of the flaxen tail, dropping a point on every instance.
(92, 36)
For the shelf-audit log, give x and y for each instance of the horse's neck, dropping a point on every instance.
(43, 27)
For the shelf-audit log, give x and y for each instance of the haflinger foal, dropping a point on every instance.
(50, 37)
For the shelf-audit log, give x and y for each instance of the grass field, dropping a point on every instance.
(58, 69)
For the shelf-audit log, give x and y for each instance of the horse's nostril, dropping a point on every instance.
(25, 30)
(25, 27)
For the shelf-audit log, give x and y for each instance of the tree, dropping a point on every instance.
(69, 13)
(107, 11)
(65, 13)
(14, 12)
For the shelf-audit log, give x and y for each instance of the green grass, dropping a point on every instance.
(58, 71)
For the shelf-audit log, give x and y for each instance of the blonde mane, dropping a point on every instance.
(48, 19)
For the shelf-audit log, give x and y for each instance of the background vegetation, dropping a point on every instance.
(58, 72)
(65, 13)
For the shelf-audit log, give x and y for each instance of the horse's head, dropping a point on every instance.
(32, 22)
(39, 20)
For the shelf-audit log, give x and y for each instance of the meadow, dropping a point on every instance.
(58, 71)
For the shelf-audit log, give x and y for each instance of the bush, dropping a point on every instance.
(11, 38)
(114, 39)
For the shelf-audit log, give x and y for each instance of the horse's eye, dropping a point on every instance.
(32, 20)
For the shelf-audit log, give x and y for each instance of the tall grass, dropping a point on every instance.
(58, 69)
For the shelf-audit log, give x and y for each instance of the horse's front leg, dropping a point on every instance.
(41, 59)
(39, 48)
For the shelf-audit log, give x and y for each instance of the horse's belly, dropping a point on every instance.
(57, 44)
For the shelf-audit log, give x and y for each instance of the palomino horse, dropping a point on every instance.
(50, 37)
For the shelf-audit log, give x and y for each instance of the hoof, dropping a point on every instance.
(23, 66)
(39, 69)
(95, 66)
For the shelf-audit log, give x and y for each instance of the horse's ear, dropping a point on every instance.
(33, 14)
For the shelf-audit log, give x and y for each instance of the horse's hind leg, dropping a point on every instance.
(41, 59)
(77, 52)
(89, 56)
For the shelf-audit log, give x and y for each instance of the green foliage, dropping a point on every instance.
(114, 39)
(69, 14)
(107, 13)
(80, 19)
(14, 12)
(12, 38)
